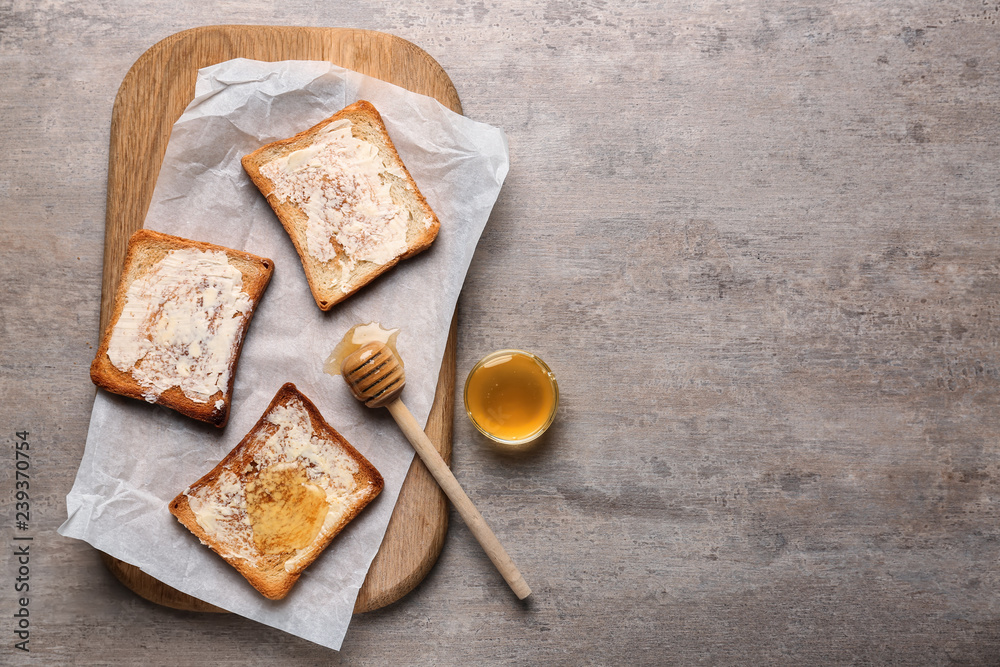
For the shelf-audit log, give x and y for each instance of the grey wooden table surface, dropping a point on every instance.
(759, 244)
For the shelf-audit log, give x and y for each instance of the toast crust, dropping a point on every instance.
(146, 249)
(274, 574)
(327, 280)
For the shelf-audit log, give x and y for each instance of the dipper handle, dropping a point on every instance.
(446, 480)
(375, 376)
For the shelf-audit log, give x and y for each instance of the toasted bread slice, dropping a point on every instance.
(280, 497)
(181, 312)
(346, 200)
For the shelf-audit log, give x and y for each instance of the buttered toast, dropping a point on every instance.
(272, 505)
(346, 199)
(181, 312)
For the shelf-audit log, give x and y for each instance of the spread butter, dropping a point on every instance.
(181, 324)
(338, 182)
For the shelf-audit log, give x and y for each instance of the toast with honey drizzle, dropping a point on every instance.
(281, 496)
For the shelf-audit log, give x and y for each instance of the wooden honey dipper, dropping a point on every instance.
(375, 376)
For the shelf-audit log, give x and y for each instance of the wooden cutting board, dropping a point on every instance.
(151, 98)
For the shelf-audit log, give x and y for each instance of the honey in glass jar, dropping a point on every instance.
(511, 396)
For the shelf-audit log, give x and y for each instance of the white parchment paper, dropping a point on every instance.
(139, 456)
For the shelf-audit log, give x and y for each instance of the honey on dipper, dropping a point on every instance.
(355, 338)
(511, 396)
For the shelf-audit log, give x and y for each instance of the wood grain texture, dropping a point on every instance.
(153, 95)
(757, 242)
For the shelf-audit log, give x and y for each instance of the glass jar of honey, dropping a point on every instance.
(511, 396)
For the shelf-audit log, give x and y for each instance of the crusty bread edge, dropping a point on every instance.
(276, 583)
(106, 376)
(252, 164)
(270, 587)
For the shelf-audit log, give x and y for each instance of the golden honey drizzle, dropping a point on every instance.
(285, 509)
(354, 339)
